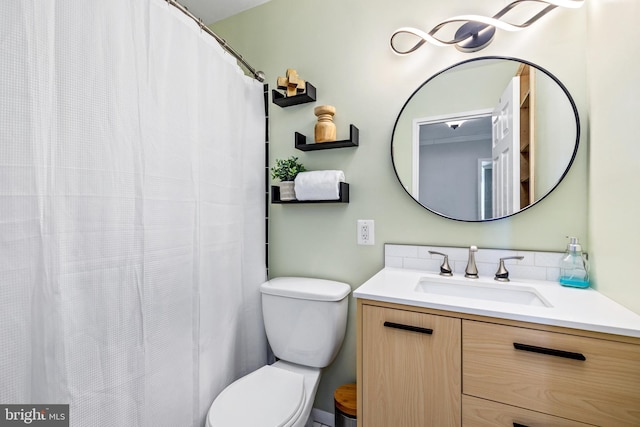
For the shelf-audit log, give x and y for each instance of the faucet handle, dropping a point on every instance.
(502, 275)
(445, 270)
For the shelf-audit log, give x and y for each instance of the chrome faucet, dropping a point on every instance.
(502, 275)
(471, 271)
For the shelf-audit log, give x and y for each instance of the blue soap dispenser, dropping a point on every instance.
(574, 268)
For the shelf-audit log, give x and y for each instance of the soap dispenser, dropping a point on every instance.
(574, 269)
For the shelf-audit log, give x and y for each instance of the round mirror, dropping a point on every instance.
(485, 139)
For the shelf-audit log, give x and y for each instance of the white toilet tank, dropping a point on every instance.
(305, 319)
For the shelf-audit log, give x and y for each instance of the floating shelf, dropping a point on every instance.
(309, 95)
(353, 141)
(344, 196)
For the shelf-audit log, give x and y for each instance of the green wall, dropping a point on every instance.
(614, 152)
(342, 47)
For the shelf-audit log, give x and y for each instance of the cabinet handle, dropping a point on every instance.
(519, 425)
(408, 328)
(549, 351)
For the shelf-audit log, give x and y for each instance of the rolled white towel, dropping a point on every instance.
(318, 185)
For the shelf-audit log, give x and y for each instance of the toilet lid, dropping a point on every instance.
(267, 397)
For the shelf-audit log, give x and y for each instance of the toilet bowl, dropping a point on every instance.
(278, 395)
(305, 320)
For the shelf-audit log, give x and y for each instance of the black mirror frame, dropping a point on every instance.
(507, 58)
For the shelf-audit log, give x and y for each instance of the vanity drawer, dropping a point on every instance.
(485, 413)
(544, 371)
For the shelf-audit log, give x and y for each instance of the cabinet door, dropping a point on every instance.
(411, 369)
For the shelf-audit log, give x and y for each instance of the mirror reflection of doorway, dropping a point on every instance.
(547, 139)
(449, 151)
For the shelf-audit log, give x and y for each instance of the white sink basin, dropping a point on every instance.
(513, 294)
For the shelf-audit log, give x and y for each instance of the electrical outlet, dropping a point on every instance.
(366, 232)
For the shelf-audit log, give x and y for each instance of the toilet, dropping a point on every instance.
(305, 320)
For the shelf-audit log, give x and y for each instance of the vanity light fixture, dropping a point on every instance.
(477, 31)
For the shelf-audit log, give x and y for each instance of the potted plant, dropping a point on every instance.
(286, 171)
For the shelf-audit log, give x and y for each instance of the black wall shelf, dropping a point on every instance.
(344, 196)
(309, 95)
(353, 141)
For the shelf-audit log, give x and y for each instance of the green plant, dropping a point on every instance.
(286, 170)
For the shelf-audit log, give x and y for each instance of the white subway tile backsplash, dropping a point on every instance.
(457, 266)
(493, 255)
(528, 272)
(401, 250)
(529, 257)
(422, 264)
(485, 269)
(423, 252)
(535, 265)
(393, 261)
(548, 259)
(456, 254)
(553, 274)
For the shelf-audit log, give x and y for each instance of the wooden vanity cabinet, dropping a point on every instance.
(411, 368)
(486, 372)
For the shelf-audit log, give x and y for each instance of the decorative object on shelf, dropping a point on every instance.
(325, 129)
(319, 185)
(353, 141)
(296, 90)
(286, 171)
(291, 84)
(309, 95)
(477, 31)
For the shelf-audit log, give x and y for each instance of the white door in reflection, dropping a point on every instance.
(505, 151)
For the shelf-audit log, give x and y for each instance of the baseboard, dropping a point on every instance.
(323, 417)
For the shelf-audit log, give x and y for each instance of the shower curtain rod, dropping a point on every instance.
(258, 75)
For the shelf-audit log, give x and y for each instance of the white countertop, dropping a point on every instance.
(585, 309)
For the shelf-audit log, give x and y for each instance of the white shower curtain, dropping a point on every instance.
(131, 212)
